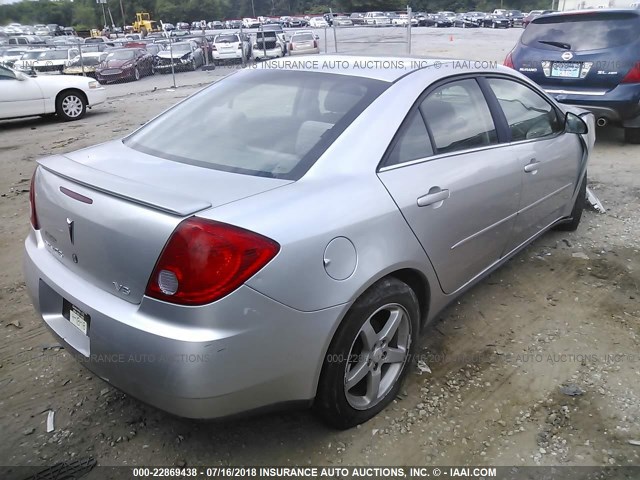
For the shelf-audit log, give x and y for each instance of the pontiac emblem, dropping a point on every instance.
(567, 56)
(70, 225)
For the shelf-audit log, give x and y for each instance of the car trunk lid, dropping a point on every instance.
(110, 230)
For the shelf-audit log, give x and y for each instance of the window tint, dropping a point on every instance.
(583, 31)
(458, 117)
(413, 142)
(528, 114)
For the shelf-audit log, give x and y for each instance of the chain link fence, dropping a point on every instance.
(135, 63)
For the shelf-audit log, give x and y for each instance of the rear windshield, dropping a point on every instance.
(303, 37)
(584, 31)
(226, 38)
(270, 123)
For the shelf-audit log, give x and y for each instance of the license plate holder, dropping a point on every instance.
(76, 317)
(566, 69)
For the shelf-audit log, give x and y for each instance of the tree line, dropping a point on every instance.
(85, 14)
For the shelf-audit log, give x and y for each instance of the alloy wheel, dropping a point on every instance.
(377, 356)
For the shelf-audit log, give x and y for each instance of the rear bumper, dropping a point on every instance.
(235, 55)
(268, 53)
(306, 51)
(620, 105)
(241, 353)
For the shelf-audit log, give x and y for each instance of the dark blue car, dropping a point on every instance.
(588, 58)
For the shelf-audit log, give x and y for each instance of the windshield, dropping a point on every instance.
(226, 38)
(31, 55)
(313, 109)
(54, 55)
(86, 61)
(584, 31)
(303, 37)
(121, 55)
(181, 47)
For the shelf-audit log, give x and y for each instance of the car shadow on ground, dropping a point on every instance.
(46, 120)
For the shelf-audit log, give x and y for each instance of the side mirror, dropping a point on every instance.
(574, 124)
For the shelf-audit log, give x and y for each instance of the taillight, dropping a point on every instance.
(508, 61)
(214, 47)
(32, 201)
(240, 46)
(634, 74)
(205, 260)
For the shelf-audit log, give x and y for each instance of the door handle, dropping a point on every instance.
(532, 166)
(435, 195)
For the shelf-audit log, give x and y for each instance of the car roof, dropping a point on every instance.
(384, 68)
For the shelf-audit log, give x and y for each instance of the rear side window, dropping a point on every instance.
(459, 117)
(529, 116)
(413, 142)
(583, 31)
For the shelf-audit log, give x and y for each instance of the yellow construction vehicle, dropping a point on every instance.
(144, 24)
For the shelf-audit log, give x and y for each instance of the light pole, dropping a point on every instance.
(253, 9)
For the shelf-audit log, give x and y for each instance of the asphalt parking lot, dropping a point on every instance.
(536, 365)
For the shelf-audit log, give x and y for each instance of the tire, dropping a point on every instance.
(193, 67)
(357, 347)
(71, 106)
(632, 135)
(493, 25)
(571, 225)
(136, 74)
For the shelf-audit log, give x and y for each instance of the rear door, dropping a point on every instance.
(551, 161)
(457, 188)
(579, 51)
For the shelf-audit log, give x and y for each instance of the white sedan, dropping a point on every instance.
(26, 96)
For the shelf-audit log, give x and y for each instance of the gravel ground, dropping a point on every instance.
(537, 365)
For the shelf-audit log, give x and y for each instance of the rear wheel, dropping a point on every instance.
(71, 106)
(632, 135)
(369, 355)
(576, 214)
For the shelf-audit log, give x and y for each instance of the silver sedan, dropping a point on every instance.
(293, 253)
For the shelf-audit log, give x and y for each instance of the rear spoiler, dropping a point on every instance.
(165, 200)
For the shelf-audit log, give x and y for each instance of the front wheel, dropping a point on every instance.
(71, 106)
(369, 355)
(632, 135)
(571, 225)
(136, 74)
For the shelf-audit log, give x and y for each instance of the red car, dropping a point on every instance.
(125, 64)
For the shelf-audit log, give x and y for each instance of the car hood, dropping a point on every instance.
(114, 63)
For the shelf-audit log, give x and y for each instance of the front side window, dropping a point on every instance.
(459, 117)
(529, 115)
